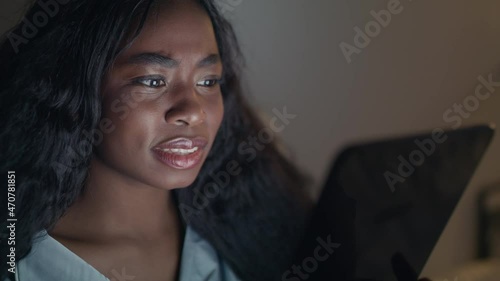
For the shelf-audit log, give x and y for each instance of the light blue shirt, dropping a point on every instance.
(49, 260)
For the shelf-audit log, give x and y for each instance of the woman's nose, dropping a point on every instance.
(187, 110)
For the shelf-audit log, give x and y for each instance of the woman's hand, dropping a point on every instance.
(402, 269)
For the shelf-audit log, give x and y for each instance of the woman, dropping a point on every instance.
(135, 154)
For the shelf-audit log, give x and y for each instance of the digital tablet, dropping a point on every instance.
(385, 204)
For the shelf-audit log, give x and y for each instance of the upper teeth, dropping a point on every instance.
(180, 151)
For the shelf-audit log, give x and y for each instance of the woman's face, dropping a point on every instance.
(164, 87)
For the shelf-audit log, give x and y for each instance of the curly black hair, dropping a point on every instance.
(50, 79)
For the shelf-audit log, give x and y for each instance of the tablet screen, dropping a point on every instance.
(385, 204)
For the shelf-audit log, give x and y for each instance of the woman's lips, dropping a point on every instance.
(181, 153)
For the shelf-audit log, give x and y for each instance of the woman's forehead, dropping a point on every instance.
(181, 27)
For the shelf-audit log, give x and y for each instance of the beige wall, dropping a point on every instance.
(427, 59)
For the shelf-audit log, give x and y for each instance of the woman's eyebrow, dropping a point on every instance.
(158, 59)
(209, 60)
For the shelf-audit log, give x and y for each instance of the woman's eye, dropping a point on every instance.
(208, 82)
(151, 82)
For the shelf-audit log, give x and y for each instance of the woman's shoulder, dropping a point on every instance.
(50, 260)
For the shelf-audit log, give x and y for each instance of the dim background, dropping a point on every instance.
(427, 59)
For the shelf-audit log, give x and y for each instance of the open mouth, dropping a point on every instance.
(182, 152)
